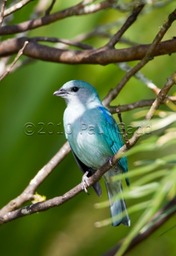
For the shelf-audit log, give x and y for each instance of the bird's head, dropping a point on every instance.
(77, 91)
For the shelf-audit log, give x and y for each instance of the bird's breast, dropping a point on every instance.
(87, 141)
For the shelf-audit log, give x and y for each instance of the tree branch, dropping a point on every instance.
(78, 9)
(100, 56)
(138, 104)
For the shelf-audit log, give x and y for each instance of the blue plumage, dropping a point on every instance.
(94, 137)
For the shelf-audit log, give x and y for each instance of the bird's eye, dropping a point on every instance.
(74, 89)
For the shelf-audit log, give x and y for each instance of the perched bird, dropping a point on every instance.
(94, 137)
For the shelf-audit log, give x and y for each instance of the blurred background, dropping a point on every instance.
(26, 97)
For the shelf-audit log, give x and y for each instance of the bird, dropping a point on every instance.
(94, 137)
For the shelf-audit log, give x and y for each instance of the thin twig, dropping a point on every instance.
(10, 67)
(63, 41)
(161, 96)
(2, 11)
(48, 11)
(137, 104)
(16, 7)
(3, 64)
(130, 20)
(22, 63)
(124, 66)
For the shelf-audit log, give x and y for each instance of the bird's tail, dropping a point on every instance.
(117, 204)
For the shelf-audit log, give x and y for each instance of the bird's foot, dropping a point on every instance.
(85, 181)
(111, 161)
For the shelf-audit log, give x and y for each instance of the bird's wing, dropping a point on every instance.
(90, 171)
(112, 135)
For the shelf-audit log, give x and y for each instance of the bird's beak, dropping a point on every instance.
(61, 92)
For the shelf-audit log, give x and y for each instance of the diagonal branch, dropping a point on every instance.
(10, 67)
(161, 96)
(131, 19)
(2, 10)
(28, 193)
(7, 214)
(148, 56)
(78, 9)
(15, 7)
(48, 11)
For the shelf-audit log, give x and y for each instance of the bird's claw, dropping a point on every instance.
(85, 182)
(111, 161)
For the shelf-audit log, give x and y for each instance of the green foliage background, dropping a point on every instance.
(26, 96)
